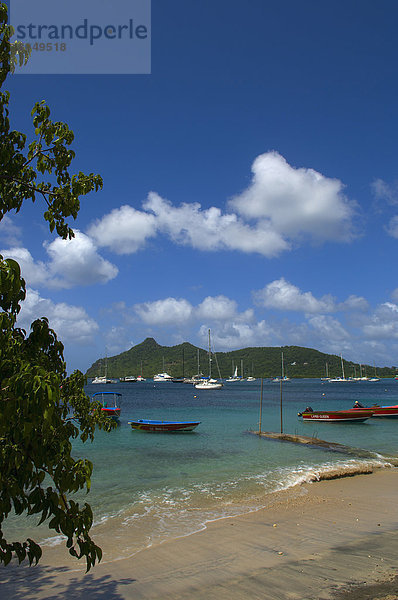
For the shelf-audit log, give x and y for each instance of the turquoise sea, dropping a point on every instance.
(149, 487)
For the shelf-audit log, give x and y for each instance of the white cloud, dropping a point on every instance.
(125, 230)
(282, 295)
(77, 262)
(211, 230)
(383, 324)
(72, 262)
(71, 323)
(281, 206)
(34, 273)
(164, 312)
(237, 334)
(9, 232)
(296, 202)
(216, 307)
(383, 191)
(392, 227)
(354, 303)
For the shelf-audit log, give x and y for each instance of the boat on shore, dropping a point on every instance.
(110, 403)
(356, 415)
(163, 426)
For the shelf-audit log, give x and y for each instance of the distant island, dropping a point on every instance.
(149, 358)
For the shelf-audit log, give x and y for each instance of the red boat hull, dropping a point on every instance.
(381, 411)
(113, 412)
(338, 416)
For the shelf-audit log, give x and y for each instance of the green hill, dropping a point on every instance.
(151, 358)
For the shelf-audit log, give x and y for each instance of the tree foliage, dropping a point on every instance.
(42, 409)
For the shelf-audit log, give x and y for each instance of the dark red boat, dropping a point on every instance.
(336, 416)
(379, 411)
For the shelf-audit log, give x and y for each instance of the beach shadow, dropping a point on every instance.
(53, 583)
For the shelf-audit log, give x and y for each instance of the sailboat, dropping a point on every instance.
(327, 374)
(104, 378)
(251, 377)
(343, 378)
(283, 377)
(161, 377)
(195, 378)
(209, 384)
(234, 377)
(141, 377)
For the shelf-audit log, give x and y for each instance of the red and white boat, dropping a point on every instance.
(356, 415)
(379, 411)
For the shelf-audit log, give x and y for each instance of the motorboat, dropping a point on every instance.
(356, 415)
(111, 402)
(162, 377)
(378, 411)
(208, 384)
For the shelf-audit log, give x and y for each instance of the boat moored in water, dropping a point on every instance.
(377, 411)
(165, 426)
(110, 403)
(336, 416)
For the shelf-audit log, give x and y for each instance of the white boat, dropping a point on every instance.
(99, 379)
(234, 377)
(343, 378)
(250, 378)
(128, 379)
(162, 377)
(283, 376)
(104, 378)
(209, 384)
(206, 384)
(141, 378)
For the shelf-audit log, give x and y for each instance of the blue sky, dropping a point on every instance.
(250, 186)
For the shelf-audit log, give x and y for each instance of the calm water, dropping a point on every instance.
(150, 487)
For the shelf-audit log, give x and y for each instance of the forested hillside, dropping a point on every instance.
(149, 358)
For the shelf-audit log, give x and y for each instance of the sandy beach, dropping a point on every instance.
(330, 539)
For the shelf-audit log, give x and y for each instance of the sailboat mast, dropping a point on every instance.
(282, 367)
(198, 364)
(209, 356)
(342, 366)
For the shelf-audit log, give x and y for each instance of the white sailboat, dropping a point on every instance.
(283, 377)
(209, 384)
(343, 378)
(104, 378)
(162, 377)
(234, 377)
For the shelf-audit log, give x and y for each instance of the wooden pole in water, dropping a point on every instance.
(281, 408)
(261, 406)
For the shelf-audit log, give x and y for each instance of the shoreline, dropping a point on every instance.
(334, 535)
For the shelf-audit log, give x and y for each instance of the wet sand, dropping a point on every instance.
(334, 539)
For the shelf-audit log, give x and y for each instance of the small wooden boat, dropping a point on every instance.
(110, 403)
(336, 416)
(379, 411)
(165, 426)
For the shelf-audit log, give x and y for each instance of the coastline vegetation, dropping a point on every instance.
(42, 409)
